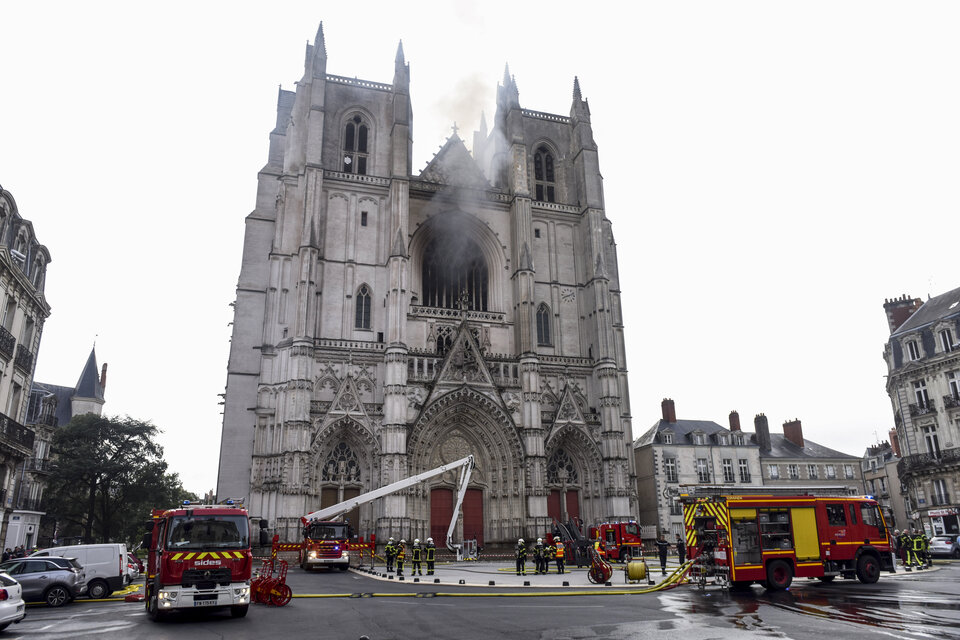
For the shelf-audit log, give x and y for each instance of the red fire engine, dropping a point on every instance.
(326, 540)
(620, 540)
(771, 539)
(198, 556)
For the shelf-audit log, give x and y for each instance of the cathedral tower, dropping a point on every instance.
(387, 323)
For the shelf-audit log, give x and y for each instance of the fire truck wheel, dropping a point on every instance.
(740, 585)
(153, 606)
(868, 569)
(97, 589)
(239, 611)
(779, 575)
(344, 567)
(826, 578)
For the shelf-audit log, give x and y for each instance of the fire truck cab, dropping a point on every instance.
(198, 556)
(772, 539)
(325, 544)
(620, 540)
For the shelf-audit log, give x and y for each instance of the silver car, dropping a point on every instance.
(945, 545)
(44, 580)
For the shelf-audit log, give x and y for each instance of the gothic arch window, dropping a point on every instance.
(341, 466)
(544, 175)
(543, 325)
(356, 145)
(363, 308)
(561, 470)
(454, 274)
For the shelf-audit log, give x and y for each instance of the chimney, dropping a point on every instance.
(734, 421)
(895, 443)
(900, 309)
(763, 431)
(793, 432)
(103, 377)
(669, 412)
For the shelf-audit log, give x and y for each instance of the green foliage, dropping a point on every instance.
(109, 474)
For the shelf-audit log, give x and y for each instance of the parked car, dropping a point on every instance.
(132, 572)
(42, 579)
(12, 608)
(945, 545)
(104, 565)
(132, 557)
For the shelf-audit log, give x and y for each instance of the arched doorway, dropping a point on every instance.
(563, 480)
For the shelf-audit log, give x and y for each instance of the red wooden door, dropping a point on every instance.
(473, 515)
(553, 506)
(441, 508)
(573, 503)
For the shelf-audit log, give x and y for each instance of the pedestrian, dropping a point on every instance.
(390, 553)
(681, 549)
(401, 555)
(416, 567)
(6, 554)
(539, 557)
(560, 558)
(430, 552)
(521, 552)
(662, 548)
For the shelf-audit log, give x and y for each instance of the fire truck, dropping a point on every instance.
(620, 540)
(326, 539)
(198, 556)
(770, 539)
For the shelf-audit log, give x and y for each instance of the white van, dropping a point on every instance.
(104, 565)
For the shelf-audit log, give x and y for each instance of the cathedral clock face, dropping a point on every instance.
(567, 295)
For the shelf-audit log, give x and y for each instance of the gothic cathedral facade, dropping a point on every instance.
(387, 323)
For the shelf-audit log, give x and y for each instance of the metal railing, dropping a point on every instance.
(922, 408)
(39, 465)
(928, 461)
(7, 342)
(24, 358)
(951, 402)
(16, 433)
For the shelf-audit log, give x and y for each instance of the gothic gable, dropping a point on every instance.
(453, 165)
(464, 363)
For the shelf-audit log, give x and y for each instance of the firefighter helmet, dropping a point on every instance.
(430, 540)
(416, 541)
(520, 541)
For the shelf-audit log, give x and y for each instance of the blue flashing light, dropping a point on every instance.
(229, 501)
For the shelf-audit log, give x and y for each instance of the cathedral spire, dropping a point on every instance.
(576, 89)
(319, 42)
(400, 59)
(401, 70)
(317, 54)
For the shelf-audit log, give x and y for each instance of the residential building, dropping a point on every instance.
(923, 382)
(881, 480)
(23, 268)
(50, 407)
(790, 459)
(387, 322)
(675, 454)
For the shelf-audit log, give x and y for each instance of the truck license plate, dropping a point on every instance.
(204, 603)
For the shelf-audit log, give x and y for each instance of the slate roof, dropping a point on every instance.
(932, 310)
(681, 429)
(88, 386)
(63, 394)
(780, 447)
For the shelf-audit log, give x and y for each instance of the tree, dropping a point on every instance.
(109, 473)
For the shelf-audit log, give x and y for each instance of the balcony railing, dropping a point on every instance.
(31, 504)
(7, 342)
(14, 432)
(930, 461)
(951, 402)
(24, 358)
(922, 408)
(940, 500)
(39, 465)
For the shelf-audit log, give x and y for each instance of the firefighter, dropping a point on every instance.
(401, 554)
(390, 553)
(550, 554)
(539, 558)
(916, 545)
(925, 549)
(560, 558)
(521, 557)
(417, 553)
(430, 551)
(662, 548)
(598, 547)
(681, 549)
(903, 547)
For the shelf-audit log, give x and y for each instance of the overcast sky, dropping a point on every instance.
(772, 170)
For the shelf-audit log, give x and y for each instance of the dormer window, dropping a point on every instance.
(666, 437)
(698, 438)
(355, 146)
(722, 439)
(913, 351)
(544, 175)
(946, 340)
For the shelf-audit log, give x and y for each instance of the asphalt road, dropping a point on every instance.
(920, 605)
